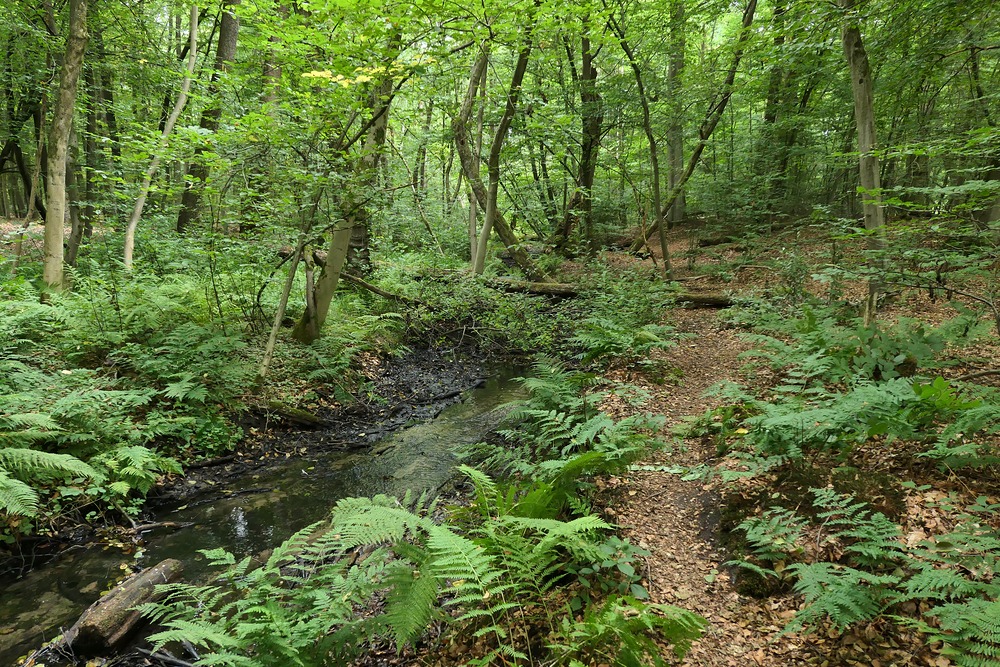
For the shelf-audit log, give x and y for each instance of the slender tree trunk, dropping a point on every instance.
(654, 159)
(168, 127)
(74, 190)
(28, 182)
(493, 160)
(59, 135)
(197, 169)
(675, 89)
(487, 198)
(279, 314)
(30, 198)
(419, 176)
(709, 123)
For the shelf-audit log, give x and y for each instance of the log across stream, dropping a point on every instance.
(254, 513)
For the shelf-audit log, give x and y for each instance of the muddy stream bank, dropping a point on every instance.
(430, 407)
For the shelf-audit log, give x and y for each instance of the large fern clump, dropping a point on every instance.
(852, 565)
(492, 579)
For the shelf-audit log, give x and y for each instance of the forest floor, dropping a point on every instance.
(683, 522)
(678, 521)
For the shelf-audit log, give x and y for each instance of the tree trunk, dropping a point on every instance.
(654, 159)
(712, 117)
(494, 219)
(580, 207)
(198, 171)
(74, 191)
(493, 160)
(168, 126)
(59, 135)
(864, 116)
(355, 213)
(675, 131)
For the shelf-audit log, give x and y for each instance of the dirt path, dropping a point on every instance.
(678, 520)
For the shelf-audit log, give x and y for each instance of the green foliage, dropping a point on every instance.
(821, 350)
(952, 574)
(969, 630)
(618, 632)
(22, 469)
(613, 573)
(602, 339)
(299, 607)
(491, 569)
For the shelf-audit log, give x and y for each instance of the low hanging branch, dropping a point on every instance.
(708, 125)
(182, 97)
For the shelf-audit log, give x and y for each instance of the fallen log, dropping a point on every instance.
(689, 300)
(107, 622)
(566, 290)
(294, 415)
(528, 287)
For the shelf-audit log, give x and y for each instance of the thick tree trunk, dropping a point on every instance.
(580, 207)
(864, 116)
(198, 171)
(991, 213)
(59, 135)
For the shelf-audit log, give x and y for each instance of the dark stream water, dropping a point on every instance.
(270, 506)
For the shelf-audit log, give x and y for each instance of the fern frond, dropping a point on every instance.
(16, 497)
(32, 462)
(413, 592)
(842, 594)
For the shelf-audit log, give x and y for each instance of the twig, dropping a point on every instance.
(979, 374)
(377, 290)
(166, 659)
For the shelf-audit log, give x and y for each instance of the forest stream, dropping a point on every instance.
(254, 513)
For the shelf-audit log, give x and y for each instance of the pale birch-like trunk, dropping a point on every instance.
(198, 170)
(59, 136)
(168, 127)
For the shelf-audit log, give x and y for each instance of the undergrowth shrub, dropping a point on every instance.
(494, 569)
(560, 432)
(822, 350)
